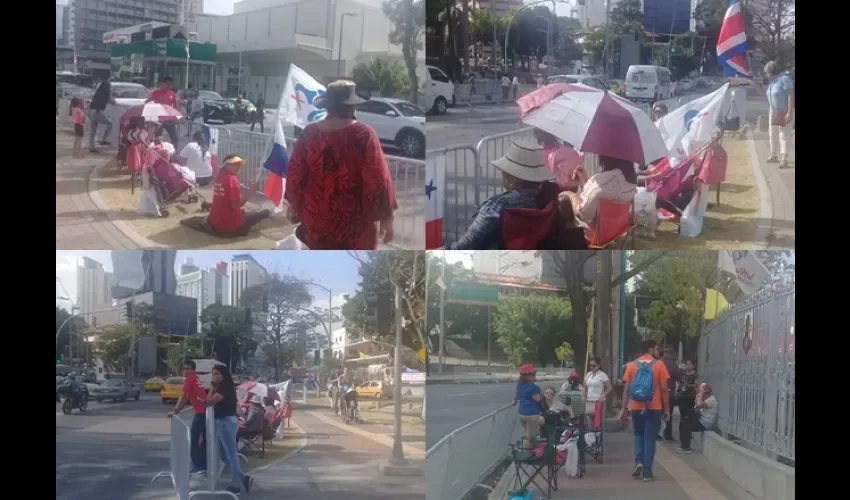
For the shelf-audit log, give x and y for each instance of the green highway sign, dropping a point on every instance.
(480, 294)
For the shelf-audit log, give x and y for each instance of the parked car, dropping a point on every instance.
(397, 122)
(590, 80)
(685, 85)
(216, 108)
(116, 390)
(617, 86)
(154, 384)
(129, 94)
(374, 389)
(172, 389)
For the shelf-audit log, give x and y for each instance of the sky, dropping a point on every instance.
(336, 270)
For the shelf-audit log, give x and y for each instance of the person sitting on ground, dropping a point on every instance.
(227, 215)
(555, 412)
(338, 184)
(524, 176)
(616, 182)
(561, 160)
(572, 394)
(196, 156)
(706, 408)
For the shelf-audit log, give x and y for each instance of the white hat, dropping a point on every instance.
(525, 160)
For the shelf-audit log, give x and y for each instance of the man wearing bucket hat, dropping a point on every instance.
(524, 173)
(338, 184)
(227, 216)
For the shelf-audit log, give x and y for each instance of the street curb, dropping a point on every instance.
(378, 438)
(429, 381)
(303, 444)
(500, 491)
(122, 227)
(763, 229)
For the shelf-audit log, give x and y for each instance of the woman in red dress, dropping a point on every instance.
(338, 184)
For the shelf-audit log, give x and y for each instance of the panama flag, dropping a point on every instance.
(732, 42)
(435, 189)
(277, 164)
(296, 102)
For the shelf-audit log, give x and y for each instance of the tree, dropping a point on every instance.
(379, 271)
(594, 45)
(530, 328)
(564, 353)
(627, 17)
(281, 318)
(76, 325)
(407, 18)
(773, 26)
(229, 330)
(385, 76)
(111, 345)
(461, 319)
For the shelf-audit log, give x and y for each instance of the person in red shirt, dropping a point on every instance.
(227, 216)
(165, 95)
(194, 394)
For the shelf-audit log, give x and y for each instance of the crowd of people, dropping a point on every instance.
(653, 384)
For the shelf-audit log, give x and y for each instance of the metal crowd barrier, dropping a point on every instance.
(178, 457)
(748, 356)
(213, 473)
(462, 197)
(458, 462)
(479, 92)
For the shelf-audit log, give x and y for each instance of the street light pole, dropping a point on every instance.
(397, 457)
(442, 331)
(341, 32)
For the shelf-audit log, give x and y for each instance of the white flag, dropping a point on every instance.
(692, 123)
(746, 267)
(296, 102)
(435, 196)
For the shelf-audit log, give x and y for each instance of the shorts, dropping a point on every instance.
(531, 424)
(78, 130)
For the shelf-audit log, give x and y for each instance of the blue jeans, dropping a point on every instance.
(225, 429)
(646, 426)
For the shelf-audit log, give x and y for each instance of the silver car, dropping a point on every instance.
(116, 390)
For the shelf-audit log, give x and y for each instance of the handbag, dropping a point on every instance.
(778, 118)
(731, 123)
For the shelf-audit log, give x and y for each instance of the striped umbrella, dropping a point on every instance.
(594, 121)
(152, 112)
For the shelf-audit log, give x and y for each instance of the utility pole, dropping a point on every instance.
(607, 31)
(464, 28)
(442, 332)
(616, 310)
(602, 343)
(397, 457)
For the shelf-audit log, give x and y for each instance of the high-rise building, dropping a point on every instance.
(140, 271)
(667, 16)
(245, 271)
(93, 289)
(188, 266)
(207, 286)
(61, 15)
(193, 8)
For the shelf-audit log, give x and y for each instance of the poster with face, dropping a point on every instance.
(747, 341)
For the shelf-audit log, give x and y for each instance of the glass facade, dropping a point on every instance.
(667, 16)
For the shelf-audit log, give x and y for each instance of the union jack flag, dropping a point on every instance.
(732, 42)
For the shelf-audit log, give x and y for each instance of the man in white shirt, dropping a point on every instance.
(506, 86)
(515, 85)
(707, 408)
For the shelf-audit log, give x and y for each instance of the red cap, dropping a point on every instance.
(706, 389)
(573, 374)
(526, 369)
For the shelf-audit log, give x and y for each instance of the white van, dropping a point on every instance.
(436, 92)
(648, 83)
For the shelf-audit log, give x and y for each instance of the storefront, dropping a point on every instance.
(148, 61)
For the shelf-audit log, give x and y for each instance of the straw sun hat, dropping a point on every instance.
(339, 92)
(525, 160)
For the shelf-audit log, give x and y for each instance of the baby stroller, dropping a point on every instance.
(169, 183)
(675, 191)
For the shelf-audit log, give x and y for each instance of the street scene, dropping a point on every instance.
(671, 81)
(324, 379)
(155, 110)
(520, 354)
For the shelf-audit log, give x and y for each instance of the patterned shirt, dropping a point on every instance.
(608, 185)
(486, 230)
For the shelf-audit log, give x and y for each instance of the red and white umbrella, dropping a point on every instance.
(594, 121)
(152, 112)
(259, 389)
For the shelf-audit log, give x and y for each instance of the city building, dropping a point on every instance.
(256, 44)
(61, 23)
(667, 16)
(174, 314)
(694, 4)
(206, 286)
(140, 271)
(188, 266)
(193, 8)
(245, 271)
(593, 12)
(339, 340)
(93, 290)
(88, 20)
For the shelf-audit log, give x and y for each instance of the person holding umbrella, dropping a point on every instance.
(165, 95)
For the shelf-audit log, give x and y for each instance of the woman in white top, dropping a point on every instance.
(596, 387)
(197, 157)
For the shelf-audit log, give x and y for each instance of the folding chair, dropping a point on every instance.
(614, 221)
(594, 426)
(251, 443)
(528, 466)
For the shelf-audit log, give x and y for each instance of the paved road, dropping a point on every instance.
(453, 405)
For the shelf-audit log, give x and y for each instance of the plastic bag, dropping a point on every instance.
(291, 242)
(571, 465)
(645, 213)
(690, 225)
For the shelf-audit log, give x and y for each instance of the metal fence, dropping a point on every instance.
(748, 356)
(456, 464)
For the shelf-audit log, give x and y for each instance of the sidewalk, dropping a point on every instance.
(80, 225)
(781, 184)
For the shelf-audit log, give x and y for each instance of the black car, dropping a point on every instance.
(216, 108)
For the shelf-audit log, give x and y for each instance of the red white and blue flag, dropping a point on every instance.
(732, 42)
(277, 164)
(435, 187)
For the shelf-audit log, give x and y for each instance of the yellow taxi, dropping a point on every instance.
(616, 86)
(172, 390)
(154, 384)
(374, 389)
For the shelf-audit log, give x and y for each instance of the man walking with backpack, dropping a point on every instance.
(645, 393)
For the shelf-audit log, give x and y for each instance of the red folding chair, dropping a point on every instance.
(614, 221)
(527, 228)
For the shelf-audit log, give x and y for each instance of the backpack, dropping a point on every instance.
(643, 386)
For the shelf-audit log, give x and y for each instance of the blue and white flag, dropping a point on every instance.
(296, 102)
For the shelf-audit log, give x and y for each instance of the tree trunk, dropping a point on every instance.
(464, 28)
(408, 50)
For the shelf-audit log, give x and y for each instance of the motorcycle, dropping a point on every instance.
(351, 411)
(73, 400)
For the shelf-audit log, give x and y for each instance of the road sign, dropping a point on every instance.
(479, 294)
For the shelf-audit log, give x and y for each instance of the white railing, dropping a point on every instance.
(458, 462)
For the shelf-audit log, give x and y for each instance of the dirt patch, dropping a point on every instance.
(409, 423)
(728, 225)
(113, 187)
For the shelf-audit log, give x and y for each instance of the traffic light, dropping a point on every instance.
(128, 309)
(317, 360)
(510, 60)
(379, 311)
